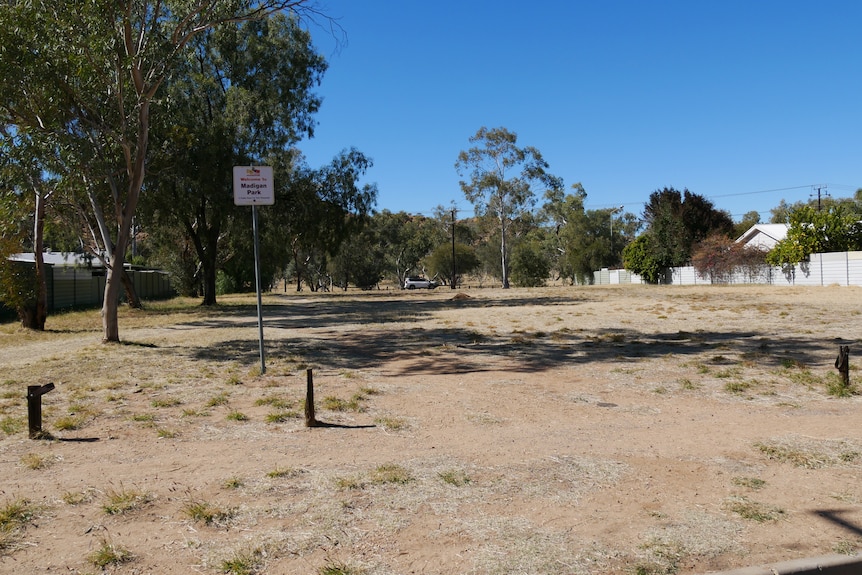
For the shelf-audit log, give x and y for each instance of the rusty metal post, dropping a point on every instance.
(34, 408)
(842, 364)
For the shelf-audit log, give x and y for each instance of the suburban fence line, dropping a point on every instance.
(73, 287)
(838, 268)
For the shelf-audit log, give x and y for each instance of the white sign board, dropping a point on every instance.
(253, 186)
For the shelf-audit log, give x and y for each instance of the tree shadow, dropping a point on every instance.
(834, 516)
(370, 310)
(459, 350)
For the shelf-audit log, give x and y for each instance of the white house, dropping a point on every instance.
(764, 236)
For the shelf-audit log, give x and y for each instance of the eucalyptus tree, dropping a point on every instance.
(28, 181)
(406, 239)
(88, 74)
(360, 261)
(241, 95)
(502, 180)
(18, 282)
(585, 240)
(316, 210)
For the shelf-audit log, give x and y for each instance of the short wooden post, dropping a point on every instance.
(310, 421)
(34, 408)
(842, 364)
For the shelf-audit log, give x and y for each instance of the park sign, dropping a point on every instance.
(253, 186)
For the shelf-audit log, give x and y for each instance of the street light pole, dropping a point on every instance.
(614, 211)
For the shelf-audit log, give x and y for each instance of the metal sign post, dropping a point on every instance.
(257, 286)
(253, 186)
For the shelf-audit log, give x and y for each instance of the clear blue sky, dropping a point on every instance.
(746, 102)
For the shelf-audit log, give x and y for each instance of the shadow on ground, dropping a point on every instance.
(382, 329)
(321, 313)
(453, 351)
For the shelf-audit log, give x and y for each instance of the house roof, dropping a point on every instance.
(59, 259)
(764, 234)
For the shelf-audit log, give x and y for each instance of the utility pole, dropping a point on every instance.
(825, 193)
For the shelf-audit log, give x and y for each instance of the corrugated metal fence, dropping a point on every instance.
(840, 268)
(71, 287)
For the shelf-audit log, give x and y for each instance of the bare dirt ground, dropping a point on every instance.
(623, 429)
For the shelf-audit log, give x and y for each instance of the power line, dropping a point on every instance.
(761, 192)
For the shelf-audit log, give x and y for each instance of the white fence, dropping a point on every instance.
(840, 268)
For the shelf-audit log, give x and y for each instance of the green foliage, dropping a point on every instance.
(835, 229)
(502, 179)
(406, 239)
(454, 477)
(390, 473)
(360, 261)
(440, 261)
(338, 568)
(317, 212)
(750, 219)
(585, 240)
(243, 562)
(203, 512)
(677, 221)
(753, 510)
(117, 92)
(221, 113)
(639, 258)
(531, 265)
(18, 285)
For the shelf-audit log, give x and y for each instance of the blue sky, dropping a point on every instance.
(744, 102)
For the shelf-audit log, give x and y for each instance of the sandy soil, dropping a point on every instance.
(627, 429)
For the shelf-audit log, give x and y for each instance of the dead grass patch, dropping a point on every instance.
(811, 453)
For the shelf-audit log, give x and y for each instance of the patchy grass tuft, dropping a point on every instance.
(203, 512)
(122, 501)
(109, 554)
(390, 473)
(752, 510)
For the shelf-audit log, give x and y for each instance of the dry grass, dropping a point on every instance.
(811, 453)
(398, 470)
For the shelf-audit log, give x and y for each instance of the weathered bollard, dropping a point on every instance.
(34, 408)
(842, 364)
(310, 421)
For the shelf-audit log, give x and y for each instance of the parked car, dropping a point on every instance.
(419, 282)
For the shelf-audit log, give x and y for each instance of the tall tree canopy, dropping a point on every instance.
(241, 96)
(586, 240)
(502, 180)
(679, 220)
(316, 210)
(87, 75)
